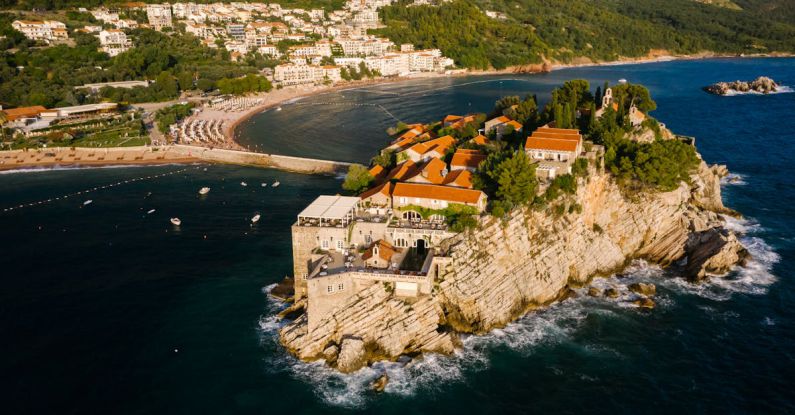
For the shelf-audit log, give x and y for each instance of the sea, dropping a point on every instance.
(106, 307)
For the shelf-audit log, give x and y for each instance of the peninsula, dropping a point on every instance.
(466, 224)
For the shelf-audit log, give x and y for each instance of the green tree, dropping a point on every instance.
(358, 178)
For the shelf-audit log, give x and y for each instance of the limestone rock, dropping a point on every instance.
(714, 251)
(762, 85)
(594, 292)
(644, 302)
(352, 355)
(330, 353)
(642, 288)
(611, 292)
(379, 384)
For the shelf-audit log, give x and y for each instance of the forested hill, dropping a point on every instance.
(528, 31)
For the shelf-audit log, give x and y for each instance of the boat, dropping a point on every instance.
(275, 184)
(278, 108)
(204, 190)
(244, 184)
(255, 219)
(176, 221)
(622, 81)
(87, 202)
(264, 184)
(150, 211)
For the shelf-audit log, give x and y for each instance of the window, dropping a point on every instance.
(304, 275)
(444, 203)
(340, 287)
(324, 244)
(340, 244)
(433, 202)
(402, 200)
(330, 289)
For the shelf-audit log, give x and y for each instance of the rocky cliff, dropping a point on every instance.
(509, 267)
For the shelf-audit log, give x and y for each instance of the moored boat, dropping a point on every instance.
(204, 190)
(275, 184)
(255, 219)
(176, 221)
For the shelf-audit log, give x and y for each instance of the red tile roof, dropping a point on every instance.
(14, 114)
(430, 191)
(459, 178)
(467, 158)
(553, 144)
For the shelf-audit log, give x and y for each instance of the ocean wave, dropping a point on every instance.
(431, 372)
(782, 89)
(754, 277)
(733, 179)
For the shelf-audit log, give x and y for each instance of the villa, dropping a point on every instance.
(501, 125)
(555, 150)
(47, 31)
(429, 149)
(464, 159)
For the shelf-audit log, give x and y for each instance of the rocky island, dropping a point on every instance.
(761, 85)
(464, 225)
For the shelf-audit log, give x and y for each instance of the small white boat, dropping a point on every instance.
(278, 108)
(622, 81)
(264, 184)
(176, 221)
(244, 184)
(275, 184)
(204, 190)
(150, 211)
(87, 202)
(255, 219)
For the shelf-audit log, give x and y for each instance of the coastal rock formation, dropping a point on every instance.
(531, 258)
(762, 85)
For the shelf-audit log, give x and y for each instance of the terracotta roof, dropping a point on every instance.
(430, 191)
(463, 121)
(433, 169)
(565, 131)
(481, 140)
(553, 144)
(515, 124)
(451, 118)
(502, 119)
(385, 250)
(384, 189)
(440, 145)
(459, 178)
(467, 158)
(556, 136)
(377, 171)
(403, 171)
(14, 114)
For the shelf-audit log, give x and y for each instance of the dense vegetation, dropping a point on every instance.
(561, 30)
(165, 117)
(47, 76)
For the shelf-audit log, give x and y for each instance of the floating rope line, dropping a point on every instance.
(93, 189)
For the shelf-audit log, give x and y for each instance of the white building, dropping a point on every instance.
(113, 41)
(46, 31)
(159, 15)
(296, 74)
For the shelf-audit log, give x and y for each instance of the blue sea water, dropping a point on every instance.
(107, 309)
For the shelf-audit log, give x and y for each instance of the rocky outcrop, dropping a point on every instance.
(522, 262)
(713, 251)
(762, 85)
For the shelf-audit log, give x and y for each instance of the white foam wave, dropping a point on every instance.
(782, 89)
(755, 277)
(733, 179)
(430, 372)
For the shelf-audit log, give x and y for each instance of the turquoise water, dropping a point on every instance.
(108, 309)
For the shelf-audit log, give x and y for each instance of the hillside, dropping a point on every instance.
(529, 31)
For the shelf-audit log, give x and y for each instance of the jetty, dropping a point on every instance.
(168, 154)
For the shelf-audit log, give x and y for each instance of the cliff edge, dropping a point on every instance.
(510, 266)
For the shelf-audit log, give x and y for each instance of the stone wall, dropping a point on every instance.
(289, 163)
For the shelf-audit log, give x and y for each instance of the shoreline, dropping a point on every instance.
(231, 130)
(278, 97)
